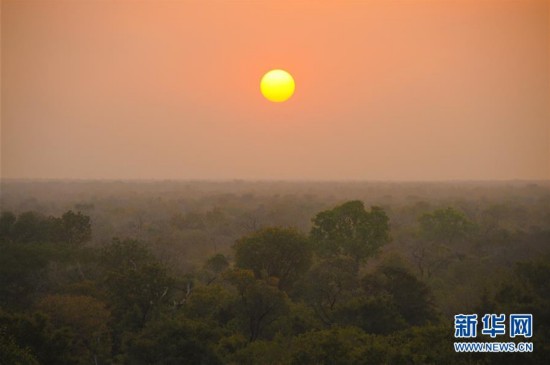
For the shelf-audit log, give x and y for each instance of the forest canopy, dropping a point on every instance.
(267, 273)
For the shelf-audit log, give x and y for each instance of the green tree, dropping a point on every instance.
(7, 221)
(12, 353)
(214, 266)
(137, 293)
(350, 230)
(329, 283)
(261, 352)
(210, 304)
(283, 253)
(137, 286)
(23, 269)
(30, 227)
(87, 317)
(76, 227)
(444, 225)
(339, 345)
(528, 291)
(373, 314)
(171, 342)
(430, 345)
(432, 250)
(260, 303)
(412, 298)
(40, 340)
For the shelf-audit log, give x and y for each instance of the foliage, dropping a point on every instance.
(340, 345)
(438, 231)
(173, 342)
(328, 283)
(211, 272)
(137, 287)
(22, 269)
(445, 225)
(349, 229)
(259, 304)
(38, 338)
(214, 266)
(76, 228)
(411, 298)
(12, 353)
(88, 319)
(212, 304)
(135, 281)
(528, 292)
(275, 252)
(30, 227)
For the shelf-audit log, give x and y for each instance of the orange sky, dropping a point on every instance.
(385, 90)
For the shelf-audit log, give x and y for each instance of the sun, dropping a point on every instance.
(277, 85)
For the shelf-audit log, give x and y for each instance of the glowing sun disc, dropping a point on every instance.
(277, 85)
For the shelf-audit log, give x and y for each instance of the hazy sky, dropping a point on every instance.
(385, 90)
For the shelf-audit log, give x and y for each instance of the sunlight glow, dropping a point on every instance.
(277, 85)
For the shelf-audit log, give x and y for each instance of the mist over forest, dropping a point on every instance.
(267, 272)
(394, 166)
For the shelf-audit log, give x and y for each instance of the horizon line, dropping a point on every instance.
(289, 180)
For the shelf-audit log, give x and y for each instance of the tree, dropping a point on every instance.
(211, 304)
(137, 285)
(23, 269)
(376, 314)
(283, 253)
(261, 352)
(339, 345)
(76, 227)
(350, 230)
(12, 353)
(39, 339)
(121, 255)
(430, 257)
(173, 341)
(432, 345)
(329, 283)
(432, 250)
(444, 225)
(260, 303)
(30, 227)
(411, 297)
(7, 220)
(214, 266)
(136, 293)
(87, 317)
(528, 291)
